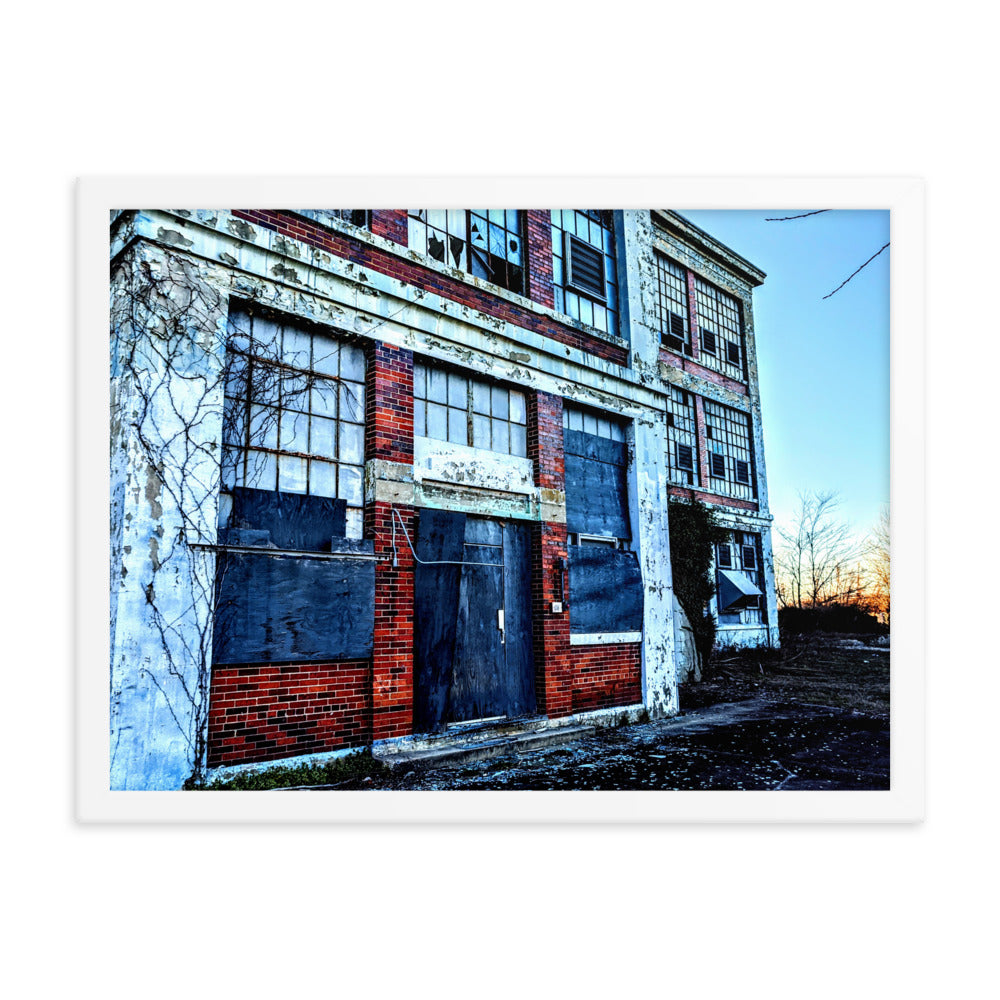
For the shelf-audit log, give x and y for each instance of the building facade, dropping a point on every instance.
(380, 474)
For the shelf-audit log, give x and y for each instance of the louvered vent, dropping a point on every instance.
(708, 341)
(584, 268)
(742, 471)
(685, 457)
(725, 557)
(732, 352)
(749, 557)
(718, 466)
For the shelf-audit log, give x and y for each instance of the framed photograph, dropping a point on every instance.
(500, 515)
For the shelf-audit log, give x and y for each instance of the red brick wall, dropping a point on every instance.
(687, 493)
(389, 436)
(717, 378)
(606, 676)
(391, 223)
(550, 631)
(341, 245)
(388, 403)
(392, 655)
(265, 712)
(539, 232)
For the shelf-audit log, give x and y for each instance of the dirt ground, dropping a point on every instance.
(814, 715)
(839, 671)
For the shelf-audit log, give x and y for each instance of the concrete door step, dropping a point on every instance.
(453, 749)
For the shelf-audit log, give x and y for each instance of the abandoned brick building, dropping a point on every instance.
(377, 474)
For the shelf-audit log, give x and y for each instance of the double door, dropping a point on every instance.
(472, 620)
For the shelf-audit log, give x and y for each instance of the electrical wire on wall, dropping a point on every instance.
(425, 562)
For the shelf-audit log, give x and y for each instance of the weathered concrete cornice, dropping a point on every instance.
(680, 227)
(364, 301)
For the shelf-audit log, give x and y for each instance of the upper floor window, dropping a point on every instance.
(488, 243)
(730, 456)
(449, 406)
(672, 305)
(356, 216)
(294, 417)
(682, 437)
(720, 330)
(584, 276)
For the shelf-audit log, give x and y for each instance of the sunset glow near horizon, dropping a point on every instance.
(823, 363)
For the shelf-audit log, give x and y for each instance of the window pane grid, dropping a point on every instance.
(671, 305)
(682, 438)
(595, 227)
(287, 426)
(729, 451)
(488, 243)
(468, 411)
(720, 330)
(742, 553)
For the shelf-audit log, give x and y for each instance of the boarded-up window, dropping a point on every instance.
(605, 584)
(294, 579)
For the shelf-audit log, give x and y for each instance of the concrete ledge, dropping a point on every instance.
(452, 753)
(603, 638)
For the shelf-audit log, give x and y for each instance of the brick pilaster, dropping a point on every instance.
(550, 631)
(539, 256)
(389, 436)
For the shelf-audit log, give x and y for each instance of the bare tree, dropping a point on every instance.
(876, 556)
(818, 558)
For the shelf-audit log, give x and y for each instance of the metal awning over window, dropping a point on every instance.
(736, 590)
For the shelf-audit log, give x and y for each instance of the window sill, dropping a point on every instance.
(603, 638)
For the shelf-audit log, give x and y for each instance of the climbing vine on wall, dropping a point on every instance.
(693, 537)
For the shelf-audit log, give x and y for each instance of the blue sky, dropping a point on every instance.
(824, 364)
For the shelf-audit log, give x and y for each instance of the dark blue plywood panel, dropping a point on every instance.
(440, 536)
(597, 448)
(273, 608)
(294, 521)
(605, 590)
(596, 498)
(520, 661)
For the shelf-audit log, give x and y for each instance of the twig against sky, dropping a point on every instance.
(848, 278)
(788, 218)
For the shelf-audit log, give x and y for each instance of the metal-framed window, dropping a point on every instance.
(682, 437)
(720, 330)
(488, 243)
(450, 406)
(730, 452)
(294, 414)
(672, 305)
(584, 275)
(591, 423)
(741, 552)
(361, 217)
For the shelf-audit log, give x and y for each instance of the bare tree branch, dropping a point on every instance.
(863, 266)
(804, 215)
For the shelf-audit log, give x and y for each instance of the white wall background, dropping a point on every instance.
(781, 88)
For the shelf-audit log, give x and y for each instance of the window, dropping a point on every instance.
(605, 584)
(682, 437)
(741, 556)
(294, 418)
(730, 459)
(488, 243)
(720, 330)
(361, 217)
(671, 306)
(584, 277)
(449, 406)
